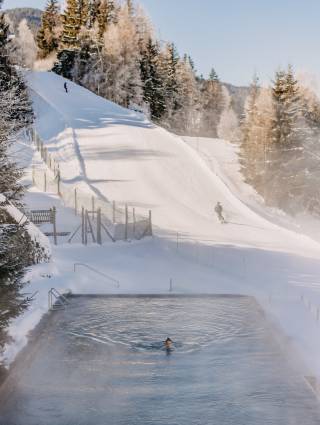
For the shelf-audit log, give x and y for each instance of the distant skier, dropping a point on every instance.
(219, 211)
(65, 87)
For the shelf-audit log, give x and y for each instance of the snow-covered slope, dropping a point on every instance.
(222, 157)
(119, 155)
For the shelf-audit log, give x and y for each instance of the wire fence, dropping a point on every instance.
(121, 222)
(205, 252)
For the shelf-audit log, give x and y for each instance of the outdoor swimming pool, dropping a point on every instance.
(101, 361)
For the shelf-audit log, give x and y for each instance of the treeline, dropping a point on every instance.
(280, 143)
(109, 47)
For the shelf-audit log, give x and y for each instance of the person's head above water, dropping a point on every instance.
(168, 341)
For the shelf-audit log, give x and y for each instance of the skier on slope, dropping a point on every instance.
(219, 211)
(65, 87)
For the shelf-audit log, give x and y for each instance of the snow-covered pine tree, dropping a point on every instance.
(286, 148)
(153, 84)
(185, 119)
(75, 16)
(16, 114)
(169, 60)
(228, 127)
(15, 247)
(130, 7)
(49, 34)
(211, 104)
(250, 136)
(121, 80)
(105, 13)
(23, 48)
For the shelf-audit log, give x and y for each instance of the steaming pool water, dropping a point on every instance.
(101, 361)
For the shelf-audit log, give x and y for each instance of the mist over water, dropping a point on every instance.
(102, 361)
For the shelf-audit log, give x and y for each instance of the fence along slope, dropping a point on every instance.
(121, 222)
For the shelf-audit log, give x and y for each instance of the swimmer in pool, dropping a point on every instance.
(168, 343)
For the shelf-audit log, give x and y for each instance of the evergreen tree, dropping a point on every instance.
(130, 7)
(105, 15)
(16, 115)
(153, 85)
(185, 119)
(15, 245)
(211, 104)
(72, 21)
(168, 64)
(17, 252)
(23, 49)
(49, 33)
(228, 127)
(251, 141)
(213, 76)
(286, 148)
(74, 18)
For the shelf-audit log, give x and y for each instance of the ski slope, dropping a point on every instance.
(118, 154)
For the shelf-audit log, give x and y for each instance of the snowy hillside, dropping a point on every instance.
(119, 155)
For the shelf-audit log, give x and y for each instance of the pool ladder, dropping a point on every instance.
(56, 301)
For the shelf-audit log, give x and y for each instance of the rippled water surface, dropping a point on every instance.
(102, 361)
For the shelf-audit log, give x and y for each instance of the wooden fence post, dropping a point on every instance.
(126, 224)
(75, 202)
(150, 223)
(134, 221)
(82, 225)
(99, 239)
(93, 211)
(58, 182)
(54, 213)
(113, 211)
(89, 227)
(85, 228)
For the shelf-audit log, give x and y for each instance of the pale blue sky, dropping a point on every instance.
(237, 37)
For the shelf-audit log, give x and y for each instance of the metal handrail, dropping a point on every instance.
(115, 281)
(59, 297)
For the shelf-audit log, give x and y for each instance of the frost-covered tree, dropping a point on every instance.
(121, 57)
(49, 34)
(286, 130)
(185, 117)
(251, 137)
(228, 127)
(18, 251)
(211, 104)
(23, 47)
(15, 248)
(16, 114)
